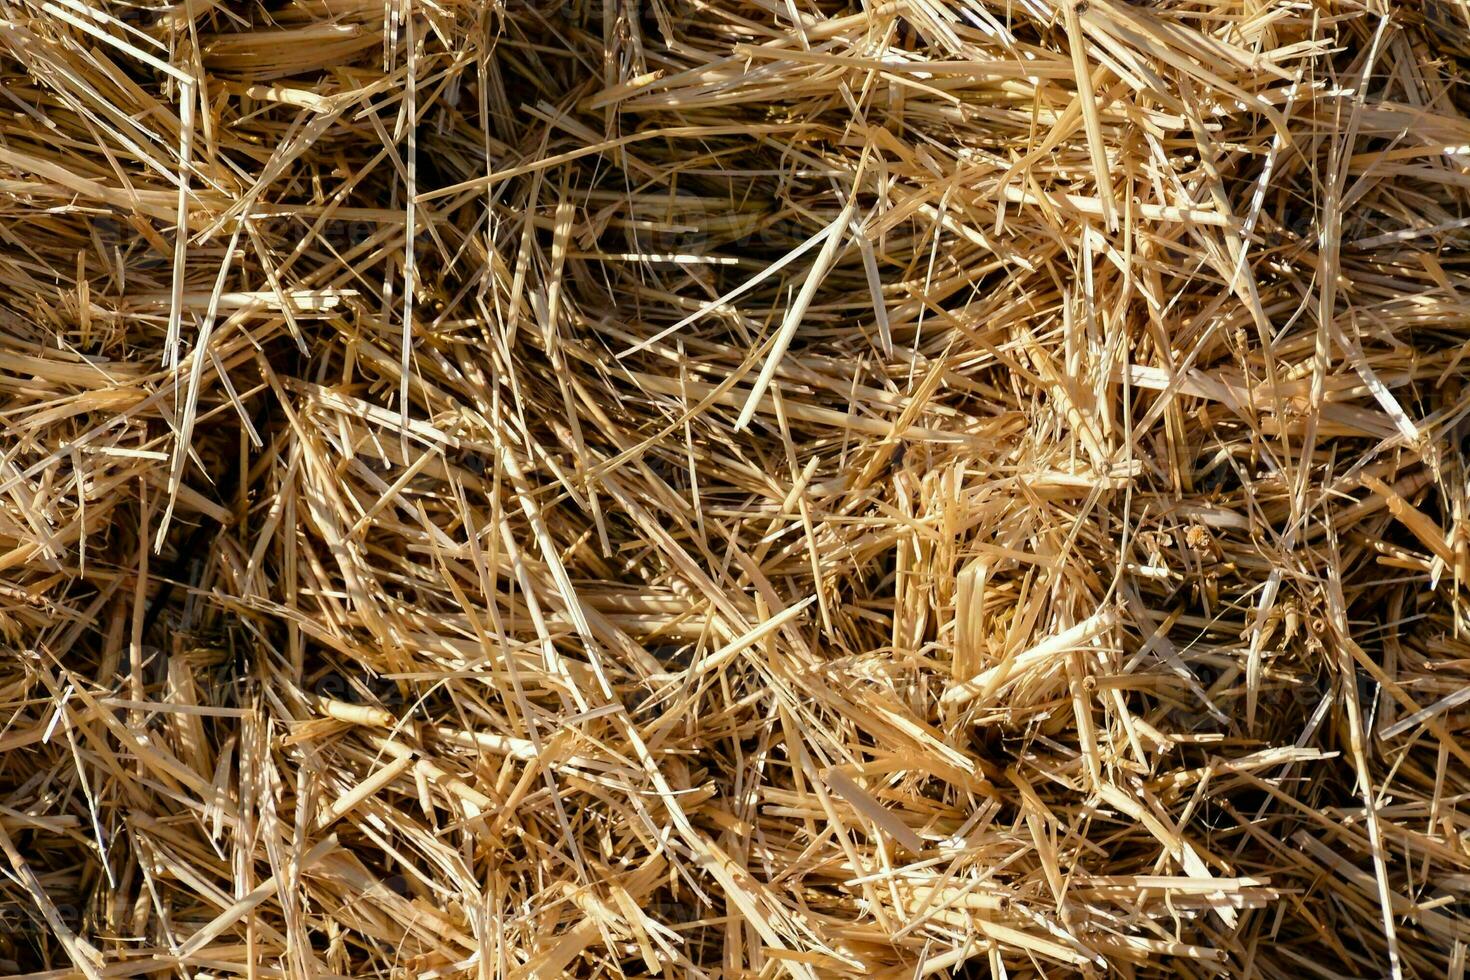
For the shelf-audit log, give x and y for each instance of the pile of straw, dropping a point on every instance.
(734, 488)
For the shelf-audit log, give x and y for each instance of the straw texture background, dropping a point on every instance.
(734, 488)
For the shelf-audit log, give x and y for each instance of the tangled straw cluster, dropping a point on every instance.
(728, 488)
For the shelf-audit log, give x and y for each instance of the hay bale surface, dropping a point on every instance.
(734, 488)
